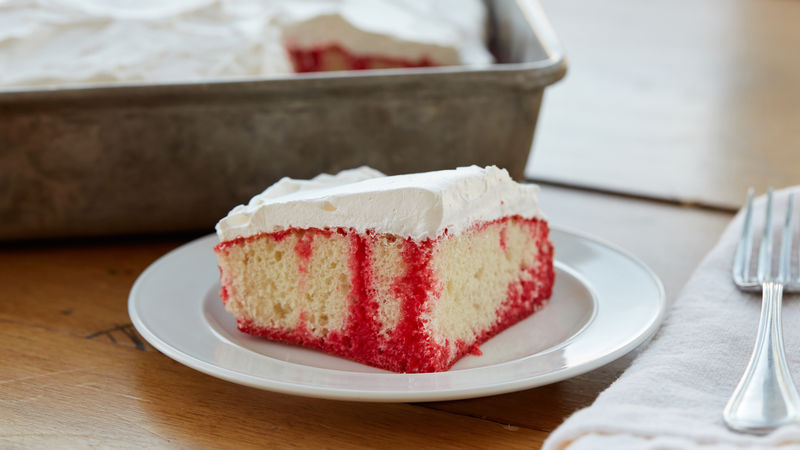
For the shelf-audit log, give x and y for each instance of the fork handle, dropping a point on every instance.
(765, 397)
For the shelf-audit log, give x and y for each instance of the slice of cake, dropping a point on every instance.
(407, 273)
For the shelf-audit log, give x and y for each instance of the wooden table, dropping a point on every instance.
(74, 372)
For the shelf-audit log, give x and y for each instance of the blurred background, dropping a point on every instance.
(680, 100)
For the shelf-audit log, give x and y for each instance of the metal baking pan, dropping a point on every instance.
(145, 158)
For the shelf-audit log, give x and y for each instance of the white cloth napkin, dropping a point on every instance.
(673, 394)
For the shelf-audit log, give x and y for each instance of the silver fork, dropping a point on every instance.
(765, 397)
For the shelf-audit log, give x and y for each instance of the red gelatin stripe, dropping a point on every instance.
(316, 59)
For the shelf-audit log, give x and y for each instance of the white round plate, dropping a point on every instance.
(605, 302)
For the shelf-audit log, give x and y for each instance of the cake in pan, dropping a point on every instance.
(407, 273)
(63, 42)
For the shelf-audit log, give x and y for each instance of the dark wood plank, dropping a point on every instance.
(77, 287)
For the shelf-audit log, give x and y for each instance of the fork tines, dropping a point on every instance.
(741, 263)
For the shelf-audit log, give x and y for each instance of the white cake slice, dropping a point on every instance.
(407, 273)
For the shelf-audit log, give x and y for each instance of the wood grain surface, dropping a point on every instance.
(74, 372)
(679, 99)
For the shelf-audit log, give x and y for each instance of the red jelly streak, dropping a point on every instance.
(277, 236)
(362, 327)
(223, 291)
(504, 237)
(316, 59)
(409, 340)
(303, 248)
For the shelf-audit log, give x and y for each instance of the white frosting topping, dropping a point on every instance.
(419, 206)
(100, 41)
(60, 42)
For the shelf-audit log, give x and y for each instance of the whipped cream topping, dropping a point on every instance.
(58, 42)
(418, 206)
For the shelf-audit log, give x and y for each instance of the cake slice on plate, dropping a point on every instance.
(407, 273)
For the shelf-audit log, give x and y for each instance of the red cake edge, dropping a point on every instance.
(312, 59)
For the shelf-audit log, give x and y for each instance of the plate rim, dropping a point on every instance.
(388, 395)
